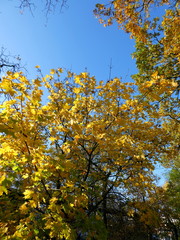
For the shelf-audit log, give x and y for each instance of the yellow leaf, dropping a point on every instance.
(76, 90)
(66, 106)
(60, 70)
(3, 190)
(16, 75)
(84, 74)
(33, 203)
(54, 200)
(28, 193)
(2, 177)
(53, 71)
(77, 137)
(52, 139)
(69, 184)
(23, 208)
(77, 79)
(25, 176)
(37, 82)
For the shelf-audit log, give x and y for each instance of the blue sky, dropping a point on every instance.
(72, 39)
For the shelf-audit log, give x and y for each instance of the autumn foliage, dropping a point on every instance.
(77, 154)
(61, 156)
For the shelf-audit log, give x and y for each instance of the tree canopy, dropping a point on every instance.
(77, 155)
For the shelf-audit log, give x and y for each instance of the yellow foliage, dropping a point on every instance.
(57, 155)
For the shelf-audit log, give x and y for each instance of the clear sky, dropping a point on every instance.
(72, 39)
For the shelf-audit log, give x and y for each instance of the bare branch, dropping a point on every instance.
(49, 5)
(9, 62)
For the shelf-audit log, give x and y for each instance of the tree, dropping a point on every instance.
(79, 161)
(172, 196)
(157, 56)
(63, 156)
(157, 41)
(132, 16)
(160, 212)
